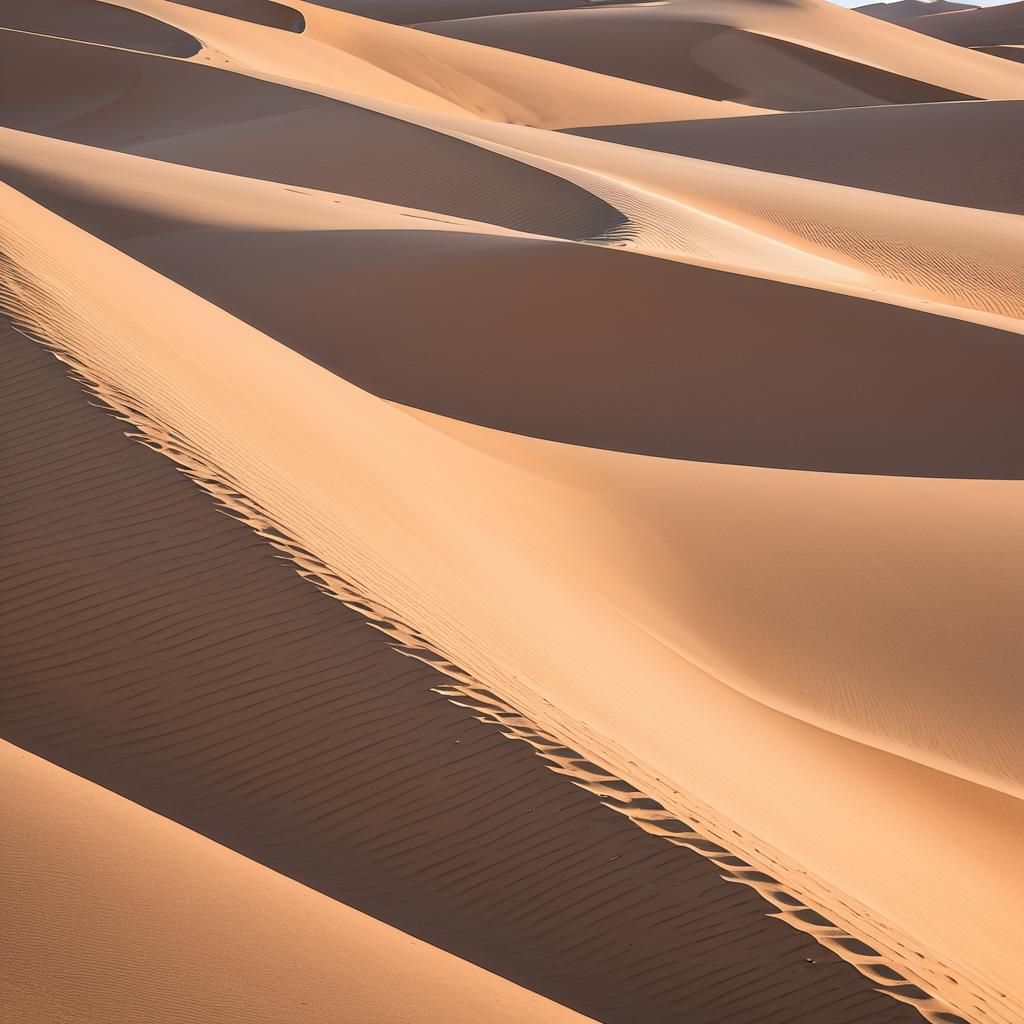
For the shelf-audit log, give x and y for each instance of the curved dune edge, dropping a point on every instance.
(985, 757)
(288, 263)
(331, 759)
(905, 969)
(701, 831)
(342, 51)
(886, 247)
(818, 28)
(143, 919)
(964, 154)
(93, 21)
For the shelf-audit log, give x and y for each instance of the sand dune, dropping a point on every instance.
(944, 404)
(151, 922)
(899, 10)
(464, 516)
(410, 12)
(337, 50)
(793, 55)
(962, 154)
(331, 760)
(983, 26)
(93, 21)
(271, 13)
(615, 409)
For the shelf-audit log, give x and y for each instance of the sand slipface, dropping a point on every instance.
(514, 511)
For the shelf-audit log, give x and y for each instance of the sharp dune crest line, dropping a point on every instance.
(526, 498)
(51, 317)
(139, 893)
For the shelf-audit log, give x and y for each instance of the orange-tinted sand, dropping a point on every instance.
(616, 412)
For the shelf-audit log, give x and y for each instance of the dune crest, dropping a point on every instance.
(527, 493)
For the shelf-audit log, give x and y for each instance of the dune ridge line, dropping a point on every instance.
(37, 312)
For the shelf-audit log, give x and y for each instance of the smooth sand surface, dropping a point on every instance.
(943, 393)
(899, 10)
(151, 922)
(785, 54)
(309, 745)
(960, 154)
(668, 443)
(983, 26)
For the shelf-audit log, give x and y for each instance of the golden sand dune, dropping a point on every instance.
(150, 921)
(307, 744)
(94, 21)
(616, 611)
(982, 26)
(900, 10)
(787, 54)
(962, 154)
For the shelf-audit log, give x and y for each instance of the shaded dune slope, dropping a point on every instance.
(410, 12)
(216, 687)
(714, 356)
(150, 922)
(256, 12)
(983, 26)
(1008, 52)
(93, 21)
(204, 117)
(898, 10)
(656, 46)
(964, 154)
(339, 52)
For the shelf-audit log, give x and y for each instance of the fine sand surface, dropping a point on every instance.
(900, 10)
(149, 921)
(982, 26)
(616, 412)
(784, 54)
(962, 154)
(307, 744)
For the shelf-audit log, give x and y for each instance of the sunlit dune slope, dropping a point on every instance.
(114, 914)
(715, 354)
(963, 154)
(899, 10)
(791, 55)
(983, 26)
(329, 757)
(272, 13)
(556, 591)
(340, 51)
(545, 476)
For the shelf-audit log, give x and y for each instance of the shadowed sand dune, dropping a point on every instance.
(498, 564)
(149, 921)
(900, 10)
(1009, 52)
(538, 480)
(259, 12)
(704, 58)
(216, 687)
(164, 110)
(340, 51)
(942, 393)
(964, 154)
(983, 26)
(410, 12)
(791, 54)
(93, 21)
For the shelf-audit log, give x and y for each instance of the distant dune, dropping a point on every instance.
(513, 512)
(997, 30)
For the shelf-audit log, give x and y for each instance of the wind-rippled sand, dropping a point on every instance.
(513, 512)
